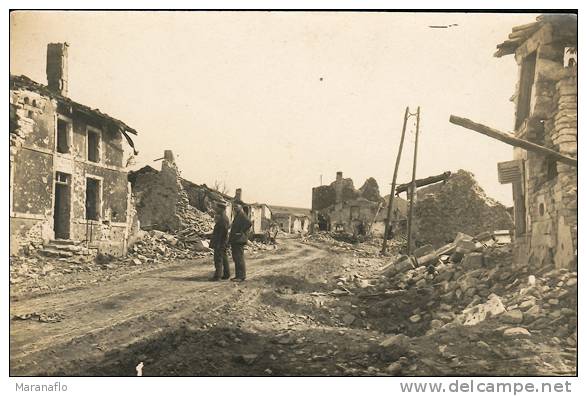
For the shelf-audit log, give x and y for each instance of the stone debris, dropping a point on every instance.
(475, 288)
(518, 332)
(394, 347)
(458, 205)
(478, 313)
(248, 358)
(359, 246)
(157, 245)
(40, 316)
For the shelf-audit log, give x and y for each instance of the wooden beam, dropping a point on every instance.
(422, 182)
(512, 140)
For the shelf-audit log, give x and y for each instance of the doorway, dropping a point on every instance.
(322, 222)
(61, 210)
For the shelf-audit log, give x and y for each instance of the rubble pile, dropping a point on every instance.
(160, 246)
(458, 205)
(37, 265)
(473, 279)
(341, 242)
(253, 246)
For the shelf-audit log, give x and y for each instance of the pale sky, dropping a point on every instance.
(238, 96)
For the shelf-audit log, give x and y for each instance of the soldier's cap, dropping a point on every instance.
(222, 204)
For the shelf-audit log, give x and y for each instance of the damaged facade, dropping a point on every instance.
(68, 166)
(339, 207)
(544, 190)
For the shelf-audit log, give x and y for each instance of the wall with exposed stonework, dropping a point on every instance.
(34, 161)
(549, 237)
(551, 187)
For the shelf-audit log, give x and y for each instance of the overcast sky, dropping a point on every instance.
(269, 101)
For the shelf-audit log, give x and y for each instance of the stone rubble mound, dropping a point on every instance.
(458, 205)
(473, 279)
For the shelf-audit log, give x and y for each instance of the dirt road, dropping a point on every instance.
(111, 316)
(305, 309)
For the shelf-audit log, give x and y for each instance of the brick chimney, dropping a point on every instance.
(168, 156)
(57, 68)
(338, 185)
(238, 194)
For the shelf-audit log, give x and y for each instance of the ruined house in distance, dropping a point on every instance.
(260, 215)
(544, 189)
(68, 166)
(291, 220)
(339, 207)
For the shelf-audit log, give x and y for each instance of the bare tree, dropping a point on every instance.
(220, 186)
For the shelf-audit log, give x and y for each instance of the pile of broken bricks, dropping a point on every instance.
(160, 246)
(473, 279)
(466, 249)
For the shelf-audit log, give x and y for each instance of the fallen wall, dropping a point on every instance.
(459, 205)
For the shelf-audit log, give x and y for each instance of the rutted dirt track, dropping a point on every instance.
(113, 315)
(305, 309)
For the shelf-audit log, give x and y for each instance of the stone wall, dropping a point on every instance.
(459, 205)
(551, 187)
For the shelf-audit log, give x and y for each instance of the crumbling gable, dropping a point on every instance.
(161, 201)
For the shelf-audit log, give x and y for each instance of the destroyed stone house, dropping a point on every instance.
(167, 202)
(291, 220)
(544, 188)
(339, 207)
(68, 166)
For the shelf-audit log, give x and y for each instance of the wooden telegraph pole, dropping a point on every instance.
(390, 203)
(413, 187)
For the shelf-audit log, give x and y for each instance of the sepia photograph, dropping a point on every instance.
(293, 193)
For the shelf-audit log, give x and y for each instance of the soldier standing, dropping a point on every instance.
(219, 242)
(238, 239)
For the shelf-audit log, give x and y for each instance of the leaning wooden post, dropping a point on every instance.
(413, 188)
(390, 203)
(512, 140)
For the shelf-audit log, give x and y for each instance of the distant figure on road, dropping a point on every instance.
(238, 239)
(219, 242)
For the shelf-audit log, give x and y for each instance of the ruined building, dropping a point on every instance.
(68, 166)
(339, 207)
(544, 189)
(260, 215)
(162, 202)
(165, 201)
(459, 204)
(291, 220)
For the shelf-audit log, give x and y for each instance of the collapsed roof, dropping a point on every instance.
(566, 27)
(25, 83)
